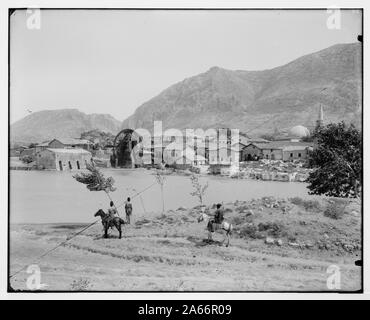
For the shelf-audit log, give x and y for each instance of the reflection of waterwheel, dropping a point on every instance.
(123, 145)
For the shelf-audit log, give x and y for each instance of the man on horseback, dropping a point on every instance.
(110, 220)
(112, 213)
(215, 223)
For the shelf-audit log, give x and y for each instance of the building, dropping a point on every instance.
(295, 134)
(295, 152)
(299, 132)
(63, 159)
(188, 159)
(277, 150)
(54, 144)
(65, 143)
(218, 146)
(252, 151)
(173, 151)
(288, 147)
(77, 143)
(272, 151)
(247, 147)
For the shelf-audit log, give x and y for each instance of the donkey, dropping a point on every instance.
(225, 228)
(110, 222)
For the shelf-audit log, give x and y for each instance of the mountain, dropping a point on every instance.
(267, 101)
(63, 123)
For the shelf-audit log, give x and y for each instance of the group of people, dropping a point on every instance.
(112, 210)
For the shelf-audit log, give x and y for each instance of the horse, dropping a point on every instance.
(225, 227)
(109, 223)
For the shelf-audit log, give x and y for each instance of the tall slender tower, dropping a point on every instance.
(319, 124)
(320, 120)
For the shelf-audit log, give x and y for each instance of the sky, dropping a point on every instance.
(112, 61)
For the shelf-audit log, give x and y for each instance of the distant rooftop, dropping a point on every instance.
(295, 148)
(66, 141)
(74, 141)
(74, 151)
(283, 145)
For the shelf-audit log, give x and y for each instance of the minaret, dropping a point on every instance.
(320, 120)
(319, 124)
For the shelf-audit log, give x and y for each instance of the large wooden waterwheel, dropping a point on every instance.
(123, 146)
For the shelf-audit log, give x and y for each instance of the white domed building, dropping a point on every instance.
(299, 132)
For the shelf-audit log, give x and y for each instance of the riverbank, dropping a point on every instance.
(16, 164)
(273, 170)
(277, 245)
(267, 170)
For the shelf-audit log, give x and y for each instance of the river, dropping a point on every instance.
(55, 197)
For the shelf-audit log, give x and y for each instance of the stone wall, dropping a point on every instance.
(62, 161)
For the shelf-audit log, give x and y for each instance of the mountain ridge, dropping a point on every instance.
(256, 102)
(62, 123)
(287, 95)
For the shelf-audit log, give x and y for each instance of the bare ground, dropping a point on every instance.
(169, 252)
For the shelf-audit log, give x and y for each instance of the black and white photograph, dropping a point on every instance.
(185, 150)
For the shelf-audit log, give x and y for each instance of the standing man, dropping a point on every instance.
(128, 209)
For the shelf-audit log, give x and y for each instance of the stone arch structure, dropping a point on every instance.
(123, 144)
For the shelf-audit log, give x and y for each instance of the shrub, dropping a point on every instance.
(27, 159)
(297, 201)
(80, 285)
(335, 209)
(237, 220)
(242, 208)
(249, 230)
(308, 205)
(312, 205)
(273, 229)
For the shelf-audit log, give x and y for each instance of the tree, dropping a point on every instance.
(308, 139)
(337, 161)
(100, 139)
(95, 180)
(160, 179)
(27, 159)
(269, 137)
(199, 189)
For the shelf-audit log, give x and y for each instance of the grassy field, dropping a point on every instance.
(277, 245)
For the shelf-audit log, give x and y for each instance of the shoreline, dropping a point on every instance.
(259, 175)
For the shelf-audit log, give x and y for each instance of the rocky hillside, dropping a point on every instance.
(263, 101)
(64, 123)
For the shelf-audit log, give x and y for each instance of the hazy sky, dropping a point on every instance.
(113, 61)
